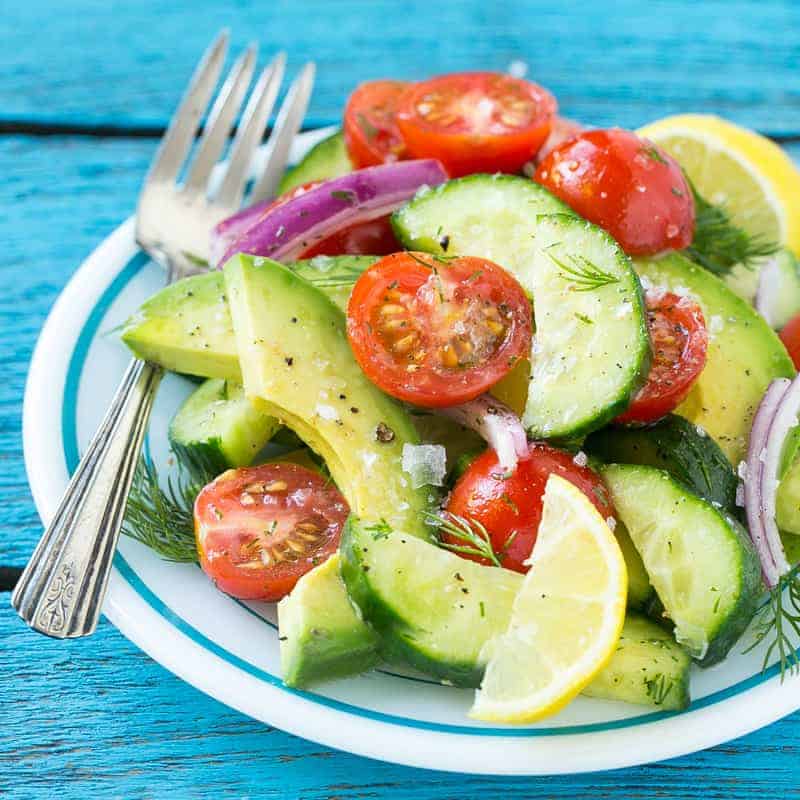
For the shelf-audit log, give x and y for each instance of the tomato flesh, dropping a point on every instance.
(259, 529)
(370, 127)
(437, 332)
(372, 238)
(625, 184)
(510, 508)
(475, 121)
(679, 341)
(790, 336)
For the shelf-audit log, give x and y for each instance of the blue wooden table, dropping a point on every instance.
(85, 88)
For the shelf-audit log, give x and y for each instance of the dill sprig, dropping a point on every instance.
(472, 533)
(718, 243)
(162, 518)
(658, 688)
(780, 623)
(583, 274)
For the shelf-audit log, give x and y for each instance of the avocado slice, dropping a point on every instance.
(297, 366)
(744, 353)
(187, 328)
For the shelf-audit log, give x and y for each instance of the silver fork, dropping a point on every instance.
(61, 590)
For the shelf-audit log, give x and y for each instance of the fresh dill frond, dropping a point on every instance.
(719, 244)
(780, 624)
(162, 519)
(475, 537)
(379, 530)
(583, 274)
(658, 688)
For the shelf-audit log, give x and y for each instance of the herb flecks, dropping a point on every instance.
(718, 243)
(472, 534)
(583, 274)
(379, 530)
(780, 624)
(658, 688)
(344, 195)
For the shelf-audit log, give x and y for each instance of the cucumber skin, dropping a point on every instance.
(672, 444)
(326, 159)
(396, 644)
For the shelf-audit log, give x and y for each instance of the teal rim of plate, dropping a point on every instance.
(75, 368)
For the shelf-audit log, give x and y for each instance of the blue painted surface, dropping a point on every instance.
(98, 717)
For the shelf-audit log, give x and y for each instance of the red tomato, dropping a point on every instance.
(259, 529)
(475, 121)
(511, 508)
(626, 185)
(680, 339)
(373, 238)
(370, 127)
(437, 332)
(790, 336)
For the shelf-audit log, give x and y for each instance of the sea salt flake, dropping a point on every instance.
(580, 458)
(425, 464)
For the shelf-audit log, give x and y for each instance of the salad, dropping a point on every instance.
(499, 397)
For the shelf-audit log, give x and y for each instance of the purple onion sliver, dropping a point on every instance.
(289, 229)
(753, 500)
(231, 228)
(497, 424)
(784, 419)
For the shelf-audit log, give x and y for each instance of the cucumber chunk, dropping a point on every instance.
(217, 427)
(436, 611)
(326, 159)
(648, 668)
(591, 346)
(640, 590)
(699, 559)
(674, 444)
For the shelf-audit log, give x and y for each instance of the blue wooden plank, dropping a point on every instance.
(625, 62)
(98, 718)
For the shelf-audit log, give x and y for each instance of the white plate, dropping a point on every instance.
(230, 650)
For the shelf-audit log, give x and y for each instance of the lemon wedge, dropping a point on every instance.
(566, 619)
(746, 173)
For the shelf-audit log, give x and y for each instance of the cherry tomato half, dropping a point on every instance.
(510, 508)
(259, 529)
(370, 127)
(475, 121)
(434, 331)
(790, 336)
(561, 130)
(624, 184)
(680, 340)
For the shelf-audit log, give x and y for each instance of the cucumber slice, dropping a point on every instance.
(648, 668)
(217, 427)
(591, 346)
(674, 444)
(436, 611)
(640, 590)
(326, 159)
(334, 275)
(699, 560)
(433, 609)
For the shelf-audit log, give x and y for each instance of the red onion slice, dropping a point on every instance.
(497, 424)
(768, 294)
(284, 231)
(754, 483)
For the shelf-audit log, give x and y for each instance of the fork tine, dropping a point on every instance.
(220, 119)
(177, 140)
(251, 129)
(290, 118)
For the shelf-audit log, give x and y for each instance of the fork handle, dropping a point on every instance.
(61, 590)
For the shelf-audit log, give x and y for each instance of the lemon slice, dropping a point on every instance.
(747, 174)
(566, 619)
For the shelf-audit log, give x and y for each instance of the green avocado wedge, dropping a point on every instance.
(436, 611)
(187, 327)
(699, 559)
(744, 354)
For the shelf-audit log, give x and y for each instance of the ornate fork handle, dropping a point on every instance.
(61, 590)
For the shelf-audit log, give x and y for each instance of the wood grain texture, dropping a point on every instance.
(94, 61)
